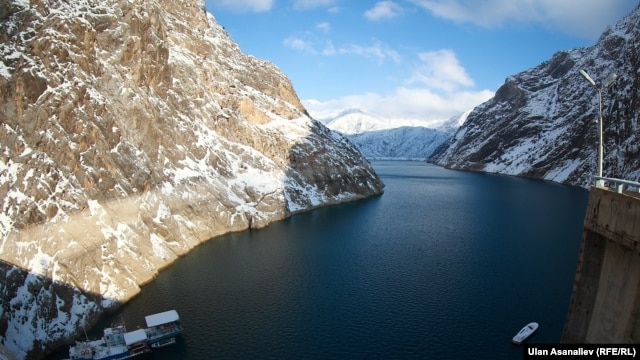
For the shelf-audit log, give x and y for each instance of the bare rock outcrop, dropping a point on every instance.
(542, 123)
(130, 132)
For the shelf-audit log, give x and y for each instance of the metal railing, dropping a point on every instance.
(617, 184)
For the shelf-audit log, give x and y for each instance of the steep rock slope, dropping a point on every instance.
(541, 122)
(131, 131)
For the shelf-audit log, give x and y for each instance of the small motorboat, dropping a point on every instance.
(526, 331)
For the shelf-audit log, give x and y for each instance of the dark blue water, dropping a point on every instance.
(444, 265)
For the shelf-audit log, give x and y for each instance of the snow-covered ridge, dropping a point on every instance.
(541, 122)
(398, 139)
(355, 121)
(131, 132)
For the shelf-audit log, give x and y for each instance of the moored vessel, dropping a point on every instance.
(524, 333)
(162, 327)
(115, 344)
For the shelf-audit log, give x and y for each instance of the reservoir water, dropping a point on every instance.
(445, 265)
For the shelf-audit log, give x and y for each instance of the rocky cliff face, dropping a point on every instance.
(130, 132)
(541, 122)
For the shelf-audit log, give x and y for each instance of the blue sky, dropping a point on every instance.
(409, 59)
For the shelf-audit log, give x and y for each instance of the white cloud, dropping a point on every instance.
(329, 49)
(584, 18)
(311, 4)
(376, 51)
(437, 89)
(440, 70)
(299, 45)
(324, 27)
(403, 103)
(383, 10)
(244, 5)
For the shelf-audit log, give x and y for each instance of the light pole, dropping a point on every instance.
(608, 82)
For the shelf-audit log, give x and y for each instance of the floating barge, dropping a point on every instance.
(162, 328)
(118, 344)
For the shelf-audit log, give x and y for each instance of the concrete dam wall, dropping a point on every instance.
(605, 301)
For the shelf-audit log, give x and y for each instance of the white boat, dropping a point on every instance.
(162, 326)
(526, 331)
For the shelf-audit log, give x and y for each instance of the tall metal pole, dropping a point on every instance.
(600, 146)
(610, 79)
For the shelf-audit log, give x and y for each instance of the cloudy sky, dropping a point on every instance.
(409, 59)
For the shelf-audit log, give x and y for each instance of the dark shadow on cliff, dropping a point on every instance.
(328, 169)
(325, 169)
(51, 299)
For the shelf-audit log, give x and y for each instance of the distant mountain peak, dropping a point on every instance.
(353, 111)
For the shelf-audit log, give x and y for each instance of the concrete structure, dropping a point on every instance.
(605, 302)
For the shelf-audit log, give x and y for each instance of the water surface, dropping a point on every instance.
(445, 265)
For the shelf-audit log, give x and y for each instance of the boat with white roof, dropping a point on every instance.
(117, 343)
(162, 328)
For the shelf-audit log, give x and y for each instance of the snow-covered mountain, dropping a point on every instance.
(541, 122)
(356, 121)
(131, 132)
(403, 143)
(379, 138)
